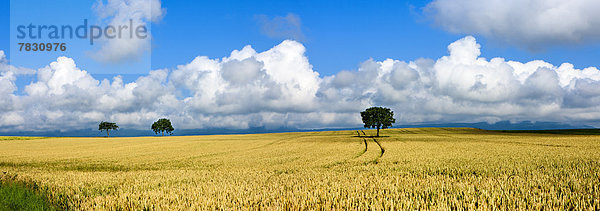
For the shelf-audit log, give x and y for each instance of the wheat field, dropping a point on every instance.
(425, 168)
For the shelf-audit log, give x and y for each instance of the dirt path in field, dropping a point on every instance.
(382, 151)
(364, 150)
(376, 160)
(360, 154)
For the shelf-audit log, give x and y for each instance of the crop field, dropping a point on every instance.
(424, 168)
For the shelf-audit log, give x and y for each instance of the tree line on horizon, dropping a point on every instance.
(161, 126)
(373, 117)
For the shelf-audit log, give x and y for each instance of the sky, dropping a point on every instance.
(302, 64)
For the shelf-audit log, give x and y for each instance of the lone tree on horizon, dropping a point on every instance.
(107, 126)
(161, 126)
(378, 117)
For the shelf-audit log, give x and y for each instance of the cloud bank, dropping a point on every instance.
(278, 88)
(534, 24)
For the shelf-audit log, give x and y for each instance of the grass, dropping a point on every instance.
(419, 168)
(20, 197)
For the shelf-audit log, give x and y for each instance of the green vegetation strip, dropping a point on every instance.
(16, 196)
(10, 138)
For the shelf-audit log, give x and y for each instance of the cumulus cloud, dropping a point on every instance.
(466, 87)
(278, 88)
(2, 58)
(535, 24)
(65, 97)
(263, 85)
(8, 100)
(6, 67)
(285, 27)
(126, 13)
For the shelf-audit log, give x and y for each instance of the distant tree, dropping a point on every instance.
(378, 117)
(161, 126)
(107, 126)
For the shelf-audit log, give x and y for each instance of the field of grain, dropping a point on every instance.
(425, 168)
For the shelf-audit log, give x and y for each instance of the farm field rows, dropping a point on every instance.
(421, 168)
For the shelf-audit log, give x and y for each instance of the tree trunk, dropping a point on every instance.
(107, 133)
(377, 130)
(163, 133)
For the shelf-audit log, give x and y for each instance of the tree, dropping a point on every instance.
(161, 126)
(107, 126)
(378, 117)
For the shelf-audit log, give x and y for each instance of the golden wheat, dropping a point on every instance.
(428, 168)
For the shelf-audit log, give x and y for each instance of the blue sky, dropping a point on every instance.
(311, 64)
(338, 34)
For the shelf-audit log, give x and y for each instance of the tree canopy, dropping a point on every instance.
(161, 126)
(107, 126)
(378, 117)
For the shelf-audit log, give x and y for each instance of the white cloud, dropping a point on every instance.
(278, 88)
(464, 87)
(3, 58)
(280, 79)
(60, 76)
(6, 67)
(7, 88)
(535, 24)
(120, 13)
